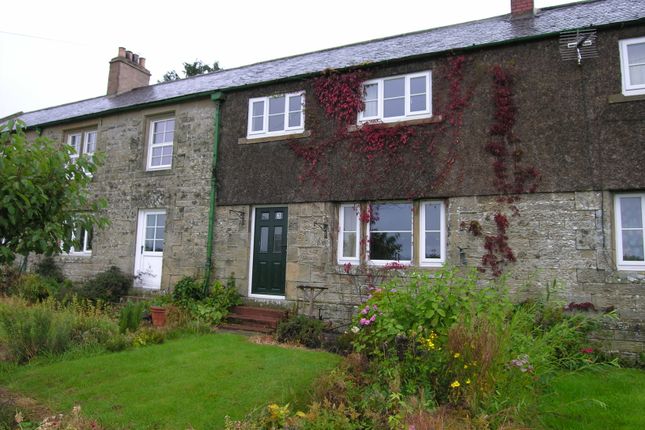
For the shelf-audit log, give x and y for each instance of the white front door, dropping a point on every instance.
(149, 252)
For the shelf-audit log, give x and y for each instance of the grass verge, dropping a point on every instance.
(189, 382)
(602, 399)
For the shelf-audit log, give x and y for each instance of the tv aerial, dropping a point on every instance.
(578, 45)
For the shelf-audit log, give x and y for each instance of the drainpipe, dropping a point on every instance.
(218, 98)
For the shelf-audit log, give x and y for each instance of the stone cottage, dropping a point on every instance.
(512, 144)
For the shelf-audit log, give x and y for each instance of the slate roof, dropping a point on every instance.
(497, 30)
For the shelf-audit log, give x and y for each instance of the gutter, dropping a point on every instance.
(218, 98)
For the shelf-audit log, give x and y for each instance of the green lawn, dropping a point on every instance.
(609, 399)
(193, 381)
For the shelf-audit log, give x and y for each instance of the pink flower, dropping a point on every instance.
(373, 318)
(587, 350)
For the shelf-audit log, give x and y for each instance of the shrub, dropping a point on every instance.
(109, 286)
(34, 288)
(31, 331)
(9, 277)
(147, 336)
(47, 268)
(187, 291)
(301, 329)
(130, 316)
(118, 342)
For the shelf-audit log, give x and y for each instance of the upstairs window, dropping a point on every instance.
(276, 115)
(630, 231)
(397, 98)
(632, 63)
(83, 142)
(160, 142)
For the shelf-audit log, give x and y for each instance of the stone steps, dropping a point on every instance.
(253, 319)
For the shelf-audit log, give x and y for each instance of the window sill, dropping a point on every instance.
(621, 98)
(246, 140)
(407, 122)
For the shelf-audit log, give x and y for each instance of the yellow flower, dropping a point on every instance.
(465, 366)
(457, 355)
(455, 384)
(468, 381)
(300, 414)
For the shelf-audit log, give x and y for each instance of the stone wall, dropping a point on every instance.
(183, 191)
(561, 237)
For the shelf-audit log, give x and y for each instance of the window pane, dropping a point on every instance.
(633, 245)
(418, 103)
(160, 233)
(169, 136)
(636, 53)
(89, 234)
(391, 246)
(276, 105)
(294, 119)
(637, 75)
(150, 232)
(166, 150)
(371, 109)
(90, 142)
(158, 245)
(170, 125)
(394, 88)
(418, 85)
(257, 123)
(630, 212)
(349, 219)
(278, 215)
(393, 107)
(149, 245)
(433, 245)
(391, 217)
(264, 216)
(276, 122)
(371, 91)
(157, 138)
(433, 216)
(264, 239)
(159, 127)
(156, 161)
(349, 244)
(277, 240)
(258, 108)
(295, 103)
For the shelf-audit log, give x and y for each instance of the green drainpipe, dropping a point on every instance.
(217, 97)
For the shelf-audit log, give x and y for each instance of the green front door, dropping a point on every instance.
(269, 251)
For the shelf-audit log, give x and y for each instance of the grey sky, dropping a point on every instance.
(58, 52)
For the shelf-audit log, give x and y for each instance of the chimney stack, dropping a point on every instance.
(127, 71)
(522, 8)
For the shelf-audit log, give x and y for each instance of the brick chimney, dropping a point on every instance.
(127, 71)
(522, 8)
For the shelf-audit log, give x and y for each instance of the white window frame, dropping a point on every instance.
(368, 257)
(355, 259)
(620, 263)
(432, 262)
(250, 134)
(629, 89)
(427, 113)
(152, 145)
(85, 242)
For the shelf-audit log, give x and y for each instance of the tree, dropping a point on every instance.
(44, 195)
(195, 68)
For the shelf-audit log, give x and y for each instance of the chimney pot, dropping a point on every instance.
(121, 51)
(142, 62)
(135, 58)
(128, 55)
(522, 8)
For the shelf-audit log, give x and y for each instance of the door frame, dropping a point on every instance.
(140, 239)
(251, 253)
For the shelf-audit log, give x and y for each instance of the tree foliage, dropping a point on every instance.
(44, 195)
(195, 68)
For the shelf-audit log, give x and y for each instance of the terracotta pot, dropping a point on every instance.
(158, 314)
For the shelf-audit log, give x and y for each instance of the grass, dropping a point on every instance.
(194, 381)
(603, 399)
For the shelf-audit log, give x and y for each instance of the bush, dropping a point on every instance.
(9, 277)
(47, 268)
(187, 291)
(118, 342)
(130, 316)
(31, 331)
(34, 288)
(301, 329)
(109, 286)
(148, 336)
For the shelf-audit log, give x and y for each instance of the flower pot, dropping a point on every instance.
(158, 314)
